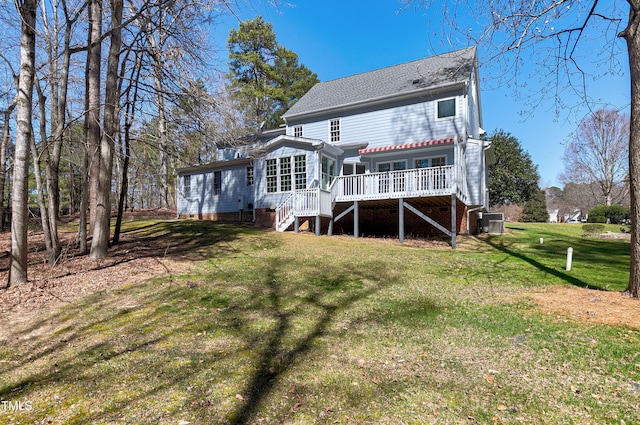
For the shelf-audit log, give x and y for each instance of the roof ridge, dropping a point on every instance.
(401, 64)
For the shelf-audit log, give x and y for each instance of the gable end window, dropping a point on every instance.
(334, 130)
(297, 131)
(447, 108)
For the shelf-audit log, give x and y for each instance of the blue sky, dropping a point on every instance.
(337, 38)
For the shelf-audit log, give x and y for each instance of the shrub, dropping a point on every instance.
(615, 214)
(596, 219)
(593, 228)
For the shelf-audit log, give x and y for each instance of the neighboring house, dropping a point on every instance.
(392, 151)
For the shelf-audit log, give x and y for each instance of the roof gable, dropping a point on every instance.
(394, 81)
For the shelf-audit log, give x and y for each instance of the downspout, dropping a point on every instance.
(469, 215)
(255, 196)
(177, 183)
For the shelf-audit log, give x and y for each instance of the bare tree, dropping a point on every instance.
(100, 241)
(559, 37)
(19, 207)
(599, 154)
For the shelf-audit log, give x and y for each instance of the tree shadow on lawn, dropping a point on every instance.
(97, 344)
(591, 251)
(283, 347)
(186, 240)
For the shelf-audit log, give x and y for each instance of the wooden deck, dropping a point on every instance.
(435, 182)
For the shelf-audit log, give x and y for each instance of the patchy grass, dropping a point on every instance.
(285, 328)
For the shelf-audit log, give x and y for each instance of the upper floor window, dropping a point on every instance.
(447, 108)
(297, 131)
(217, 183)
(334, 130)
(186, 186)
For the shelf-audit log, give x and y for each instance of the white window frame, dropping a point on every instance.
(298, 131)
(250, 175)
(292, 174)
(455, 108)
(216, 189)
(430, 160)
(186, 185)
(402, 161)
(337, 132)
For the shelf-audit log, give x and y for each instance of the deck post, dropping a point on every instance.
(401, 220)
(454, 220)
(317, 225)
(330, 230)
(356, 223)
(296, 224)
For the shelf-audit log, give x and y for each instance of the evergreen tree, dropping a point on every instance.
(513, 179)
(535, 209)
(264, 77)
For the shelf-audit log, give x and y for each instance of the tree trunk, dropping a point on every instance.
(6, 137)
(37, 171)
(100, 242)
(19, 216)
(93, 103)
(632, 36)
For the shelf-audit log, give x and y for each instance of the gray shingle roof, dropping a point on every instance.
(448, 68)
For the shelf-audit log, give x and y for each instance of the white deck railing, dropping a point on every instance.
(434, 181)
(420, 182)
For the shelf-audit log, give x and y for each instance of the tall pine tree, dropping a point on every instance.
(265, 78)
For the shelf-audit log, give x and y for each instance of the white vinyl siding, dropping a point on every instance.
(201, 198)
(394, 125)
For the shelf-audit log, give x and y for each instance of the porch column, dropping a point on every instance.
(317, 225)
(296, 224)
(401, 220)
(454, 220)
(356, 223)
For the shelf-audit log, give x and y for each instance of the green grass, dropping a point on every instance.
(285, 328)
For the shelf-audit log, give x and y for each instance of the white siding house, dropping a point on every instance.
(359, 152)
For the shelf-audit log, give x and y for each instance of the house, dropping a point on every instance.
(393, 151)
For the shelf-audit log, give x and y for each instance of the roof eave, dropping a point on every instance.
(213, 165)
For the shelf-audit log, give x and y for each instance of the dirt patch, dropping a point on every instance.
(77, 276)
(588, 305)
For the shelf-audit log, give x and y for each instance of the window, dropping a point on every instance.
(250, 175)
(397, 180)
(447, 108)
(297, 131)
(272, 175)
(438, 161)
(300, 170)
(334, 130)
(217, 183)
(328, 171)
(186, 186)
(283, 173)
